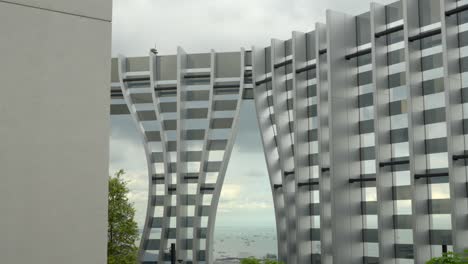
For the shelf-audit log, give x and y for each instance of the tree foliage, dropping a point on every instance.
(122, 229)
(450, 258)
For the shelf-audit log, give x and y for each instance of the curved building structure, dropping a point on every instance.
(186, 108)
(363, 124)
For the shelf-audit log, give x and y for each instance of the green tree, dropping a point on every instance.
(122, 231)
(450, 258)
(250, 260)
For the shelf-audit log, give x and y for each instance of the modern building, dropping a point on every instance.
(54, 130)
(363, 122)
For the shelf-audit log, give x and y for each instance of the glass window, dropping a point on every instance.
(364, 59)
(463, 17)
(397, 79)
(395, 37)
(363, 28)
(433, 86)
(429, 12)
(310, 40)
(394, 12)
(430, 42)
(431, 62)
(365, 78)
(396, 56)
(464, 64)
(366, 100)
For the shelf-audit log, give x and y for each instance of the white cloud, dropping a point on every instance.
(223, 25)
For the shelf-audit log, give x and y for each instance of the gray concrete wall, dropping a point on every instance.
(54, 130)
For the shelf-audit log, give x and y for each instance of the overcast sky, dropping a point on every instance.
(199, 26)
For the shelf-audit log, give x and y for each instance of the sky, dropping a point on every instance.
(199, 26)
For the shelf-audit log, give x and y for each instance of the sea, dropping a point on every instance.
(231, 244)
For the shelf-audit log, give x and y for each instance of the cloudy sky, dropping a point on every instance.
(198, 26)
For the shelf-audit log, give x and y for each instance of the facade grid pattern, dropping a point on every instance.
(364, 128)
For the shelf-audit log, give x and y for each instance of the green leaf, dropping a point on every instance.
(122, 231)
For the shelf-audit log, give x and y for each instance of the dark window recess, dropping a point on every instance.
(465, 126)
(290, 103)
(399, 135)
(365, 78)
(201, 255)
(439, 206)
(401, 167)
(363, 29)
(463, 39)
(277, 186)
(366, 126)
(429, 12)
(443, 178)
(440, 237)
(366, 100)
(431, 62)
(367, 260)
(396, 56)
(367, 153)
(436, 145)
(395, 37)
(157, 200)
(312, 90)
(394, 12)
(313, 135)
(268, 58)
(464, 94)
(369, 208)
(314, 209)
(402, 192)
(311, 74)
(310, 46)
(312, 110)
(364, 59)
(404, 251)
(313, 159)
(431, 41)
(152, 244)
(370, 235)
(403, 221)
(270, 100)
(463, 16)
(396, 80)
(464, 64)
(436, 115)
(398, 107)
(433, 86)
